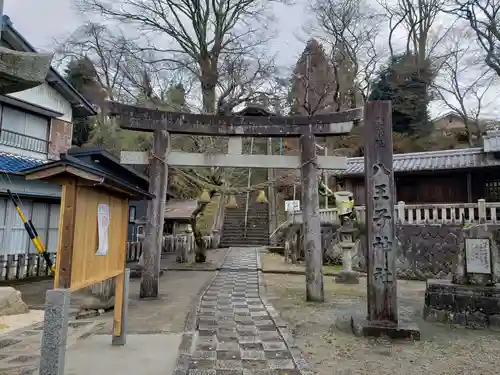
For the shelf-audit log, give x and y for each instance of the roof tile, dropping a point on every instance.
(16, 163)
(428, 161)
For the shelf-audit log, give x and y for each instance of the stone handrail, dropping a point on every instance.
(427, 213)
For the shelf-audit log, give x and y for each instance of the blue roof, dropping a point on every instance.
(15, 163)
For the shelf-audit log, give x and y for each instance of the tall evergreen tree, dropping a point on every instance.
(83, 76)
(405, 84)
(313, 82)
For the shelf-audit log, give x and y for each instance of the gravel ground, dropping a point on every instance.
(274, 263)
(322, 331)
(178, 295)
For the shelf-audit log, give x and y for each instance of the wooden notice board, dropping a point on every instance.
(78, 249)
(92, 180)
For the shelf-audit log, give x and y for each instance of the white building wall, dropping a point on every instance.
(46, 97)
(38, 188)
(30, 133)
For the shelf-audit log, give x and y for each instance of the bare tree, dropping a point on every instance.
(351, 28)
(106, 50)
(483, 17)
(418, 19)
(244, 80)
(464, 81)
(198, 34)
(120, 66)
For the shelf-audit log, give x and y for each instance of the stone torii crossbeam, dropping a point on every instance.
(236, 127)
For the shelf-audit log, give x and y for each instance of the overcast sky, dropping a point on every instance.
(43, 21)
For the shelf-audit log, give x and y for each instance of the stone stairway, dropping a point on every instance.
(233, 229)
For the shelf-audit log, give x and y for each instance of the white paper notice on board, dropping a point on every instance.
(102, 228)
(478, 257)
(292, 206)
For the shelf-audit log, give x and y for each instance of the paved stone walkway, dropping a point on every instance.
(235, 334)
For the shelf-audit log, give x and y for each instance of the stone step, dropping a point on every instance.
(242, 234)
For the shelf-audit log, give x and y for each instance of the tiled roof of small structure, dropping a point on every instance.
(12, 163)
(180, 209)
(428, 161)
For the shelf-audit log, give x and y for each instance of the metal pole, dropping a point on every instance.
(325, 180)
(1, 17)
(248, 189)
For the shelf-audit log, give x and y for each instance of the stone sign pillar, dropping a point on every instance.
(382, 316)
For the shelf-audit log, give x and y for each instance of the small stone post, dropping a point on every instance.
(381, 241)
(55, 332)
(481, 210)
(347, 244)
(122, 338)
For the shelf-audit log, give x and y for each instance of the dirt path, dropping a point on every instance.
(322, 332)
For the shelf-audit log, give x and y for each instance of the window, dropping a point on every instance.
(23, 130)
(13, 236)
(131, 214)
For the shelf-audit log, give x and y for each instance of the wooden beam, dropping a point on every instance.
(64, 258)
(187, 159)
(60, 169)
(145, 119)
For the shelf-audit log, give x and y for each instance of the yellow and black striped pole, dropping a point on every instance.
(32, 233)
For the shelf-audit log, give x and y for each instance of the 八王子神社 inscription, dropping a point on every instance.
(383, 228)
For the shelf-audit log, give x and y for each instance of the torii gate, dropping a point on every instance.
(236, 127)
(381, 241)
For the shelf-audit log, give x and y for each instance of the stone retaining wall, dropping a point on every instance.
(425, 251)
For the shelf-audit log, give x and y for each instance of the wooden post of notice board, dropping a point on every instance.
(62, 278)
(93, 224)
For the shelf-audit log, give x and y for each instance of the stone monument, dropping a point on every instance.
(472, 297)
(382, 317)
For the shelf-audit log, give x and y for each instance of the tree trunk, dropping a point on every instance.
(209, 78)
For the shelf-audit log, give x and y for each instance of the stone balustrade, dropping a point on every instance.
(426, 213)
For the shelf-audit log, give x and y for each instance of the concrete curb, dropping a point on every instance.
(297, 355)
